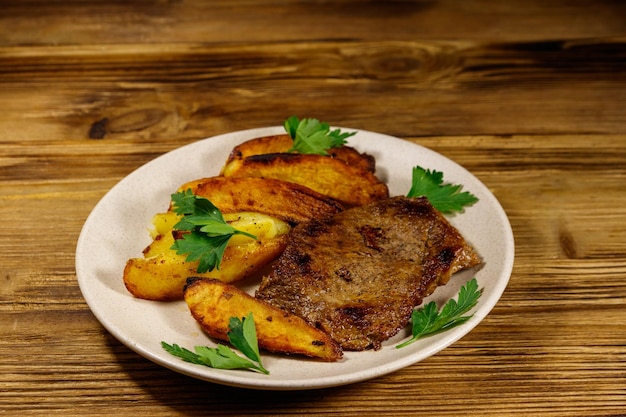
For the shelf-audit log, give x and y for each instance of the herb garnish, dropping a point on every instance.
(427, 321)
(444, 197)
(242, 335)
(310, 136)
(208, 233)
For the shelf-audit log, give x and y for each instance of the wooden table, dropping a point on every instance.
(529, 95)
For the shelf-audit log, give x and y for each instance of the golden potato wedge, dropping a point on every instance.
(282, 144)
(161, 274)
(350, 185)
(284, 200)
(212, 303)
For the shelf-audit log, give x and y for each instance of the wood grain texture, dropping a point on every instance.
(528, 95)
(224, 21)
(441, 88)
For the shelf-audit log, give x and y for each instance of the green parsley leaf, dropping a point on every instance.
(242, 335)
(207, 250)
(181, 352)
(428, 321)
(196, 210)
(222, 357)
(184, 202)
(310, 136)
(444, 197)
(207, 232)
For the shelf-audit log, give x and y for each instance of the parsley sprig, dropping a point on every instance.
(446, 198)
(207, 232)
(242, 335)
(310, 136)
(428, 320)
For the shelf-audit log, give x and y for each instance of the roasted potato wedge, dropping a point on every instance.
(161, 274)
(284, 200)
(350, 185)
(212, 303)
(282, 144)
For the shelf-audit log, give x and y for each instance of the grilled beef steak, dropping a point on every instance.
(359, 274)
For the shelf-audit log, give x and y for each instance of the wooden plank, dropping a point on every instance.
(36, 22)
(194, 91)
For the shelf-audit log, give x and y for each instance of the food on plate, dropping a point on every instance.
(313, 155)
(284, 200)
(359, 275)
(212, 303)
(447, 198)
(345, 264)
(264, 208)
(428, 320)
(283, 144)
(241, 334)
(311, 136)
(161, 274)
(350, 185)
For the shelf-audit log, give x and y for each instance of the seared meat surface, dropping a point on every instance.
(359, 274)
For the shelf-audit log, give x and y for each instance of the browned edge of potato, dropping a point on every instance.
(284, 200)
(212, 303)
(348, 184)
(163, 277)
(282, 144)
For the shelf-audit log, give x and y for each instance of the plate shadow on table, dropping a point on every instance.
(192, 397)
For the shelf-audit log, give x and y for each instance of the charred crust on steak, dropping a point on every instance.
(344, 274)
(356, 315)
(316, 228)
(373, 237)
(359, 275)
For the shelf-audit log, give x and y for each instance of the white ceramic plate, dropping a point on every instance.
(117, 229)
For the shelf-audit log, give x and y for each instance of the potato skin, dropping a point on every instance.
(348, 184)
(163, 277)
(284, 200)
(212, 303)
(282, 144)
